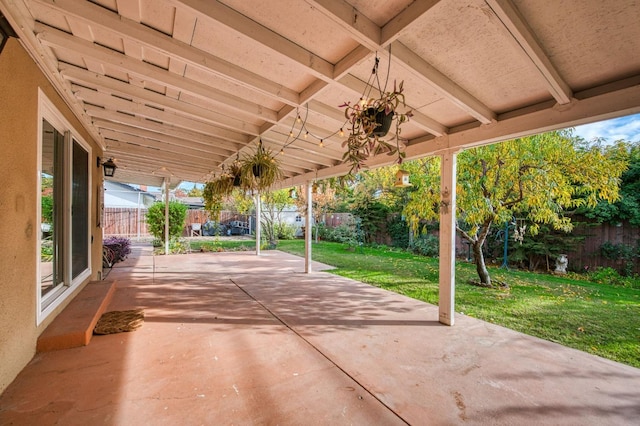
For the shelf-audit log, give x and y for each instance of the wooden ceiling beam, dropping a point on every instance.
(148, 97)
(170, 46)
(147, 72)
(526, 41)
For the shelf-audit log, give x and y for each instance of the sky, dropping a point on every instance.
(627, 128)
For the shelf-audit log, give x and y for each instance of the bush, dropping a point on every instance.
(177, 216)
(624, 253)
(285, 231)
(346, 234)
(612, 277)
(427, 245)
(120, 246)
(398, 231)
(176, 246)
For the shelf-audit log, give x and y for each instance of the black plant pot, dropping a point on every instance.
(236, 181)
(383, 120)
(257, 170)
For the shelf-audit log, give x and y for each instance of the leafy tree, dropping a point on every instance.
(323, 201)
(273, 203)
(536, 178)
(195, 191)
(177, 216)
(377, 202)
(628, 207)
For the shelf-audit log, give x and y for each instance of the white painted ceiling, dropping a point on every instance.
(176, 88)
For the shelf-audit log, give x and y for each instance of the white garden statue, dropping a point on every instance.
(561, 264)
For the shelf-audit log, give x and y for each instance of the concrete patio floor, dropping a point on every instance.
(232, 338)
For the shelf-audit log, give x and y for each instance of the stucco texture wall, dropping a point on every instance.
(20, 79)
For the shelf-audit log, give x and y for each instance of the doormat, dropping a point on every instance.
(119, 321)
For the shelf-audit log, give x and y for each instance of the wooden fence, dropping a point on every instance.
(132, 223)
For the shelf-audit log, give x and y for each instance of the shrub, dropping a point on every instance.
(398, 231)
(176, 246)
(120, 246)
(427, 245)
(611, 277)
(177, 216)
(285, 231)
(624, 253)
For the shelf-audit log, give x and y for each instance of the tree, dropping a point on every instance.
(177, 216)
(628, 207)
(536, 178)
(195, 191)
(273, 203)
(322, 201)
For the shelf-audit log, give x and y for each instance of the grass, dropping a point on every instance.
(597, 318)
(570, 310)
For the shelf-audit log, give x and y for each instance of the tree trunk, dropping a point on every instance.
(481, 268)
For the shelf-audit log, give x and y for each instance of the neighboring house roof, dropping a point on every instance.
(192, 202)
(125, 196)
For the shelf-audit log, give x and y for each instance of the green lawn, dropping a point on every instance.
(597, 318)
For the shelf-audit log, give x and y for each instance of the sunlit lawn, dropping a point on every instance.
(601, 319)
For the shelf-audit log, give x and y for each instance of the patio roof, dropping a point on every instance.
(177, 88)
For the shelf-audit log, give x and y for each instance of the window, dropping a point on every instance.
(64, 210)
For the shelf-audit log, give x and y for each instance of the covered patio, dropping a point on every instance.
(231, 338)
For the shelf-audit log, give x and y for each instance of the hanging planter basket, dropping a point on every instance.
(383, 122)
(257, 170)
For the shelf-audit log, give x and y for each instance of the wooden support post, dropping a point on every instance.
(447, 265)
(308, 231)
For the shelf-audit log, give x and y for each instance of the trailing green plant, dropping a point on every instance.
(213, 200)
(369, 121)
(156, 220)
(261, 169)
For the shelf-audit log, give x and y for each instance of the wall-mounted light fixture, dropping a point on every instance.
(109, 167)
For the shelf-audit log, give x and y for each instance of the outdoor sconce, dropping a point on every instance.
(402, 179)
(292, 193)
(109, 167)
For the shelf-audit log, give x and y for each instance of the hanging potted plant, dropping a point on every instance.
(369, 121)
(235, 171)
(213, 200)
(261, 169)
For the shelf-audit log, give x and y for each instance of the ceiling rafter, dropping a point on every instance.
(145, 71)
(443, 85)
(112, 85)
(199, 141)
(230, 18)
(124, 142)
(159, 136)
(526, 40)
(145, 115)
(145, 36)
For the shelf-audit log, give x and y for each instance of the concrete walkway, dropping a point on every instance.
(231, 338)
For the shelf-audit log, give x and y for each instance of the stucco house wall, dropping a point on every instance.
(20, 82)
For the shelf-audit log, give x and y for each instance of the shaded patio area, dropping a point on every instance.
(231, 338)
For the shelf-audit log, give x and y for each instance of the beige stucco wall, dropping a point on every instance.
(20, 79)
